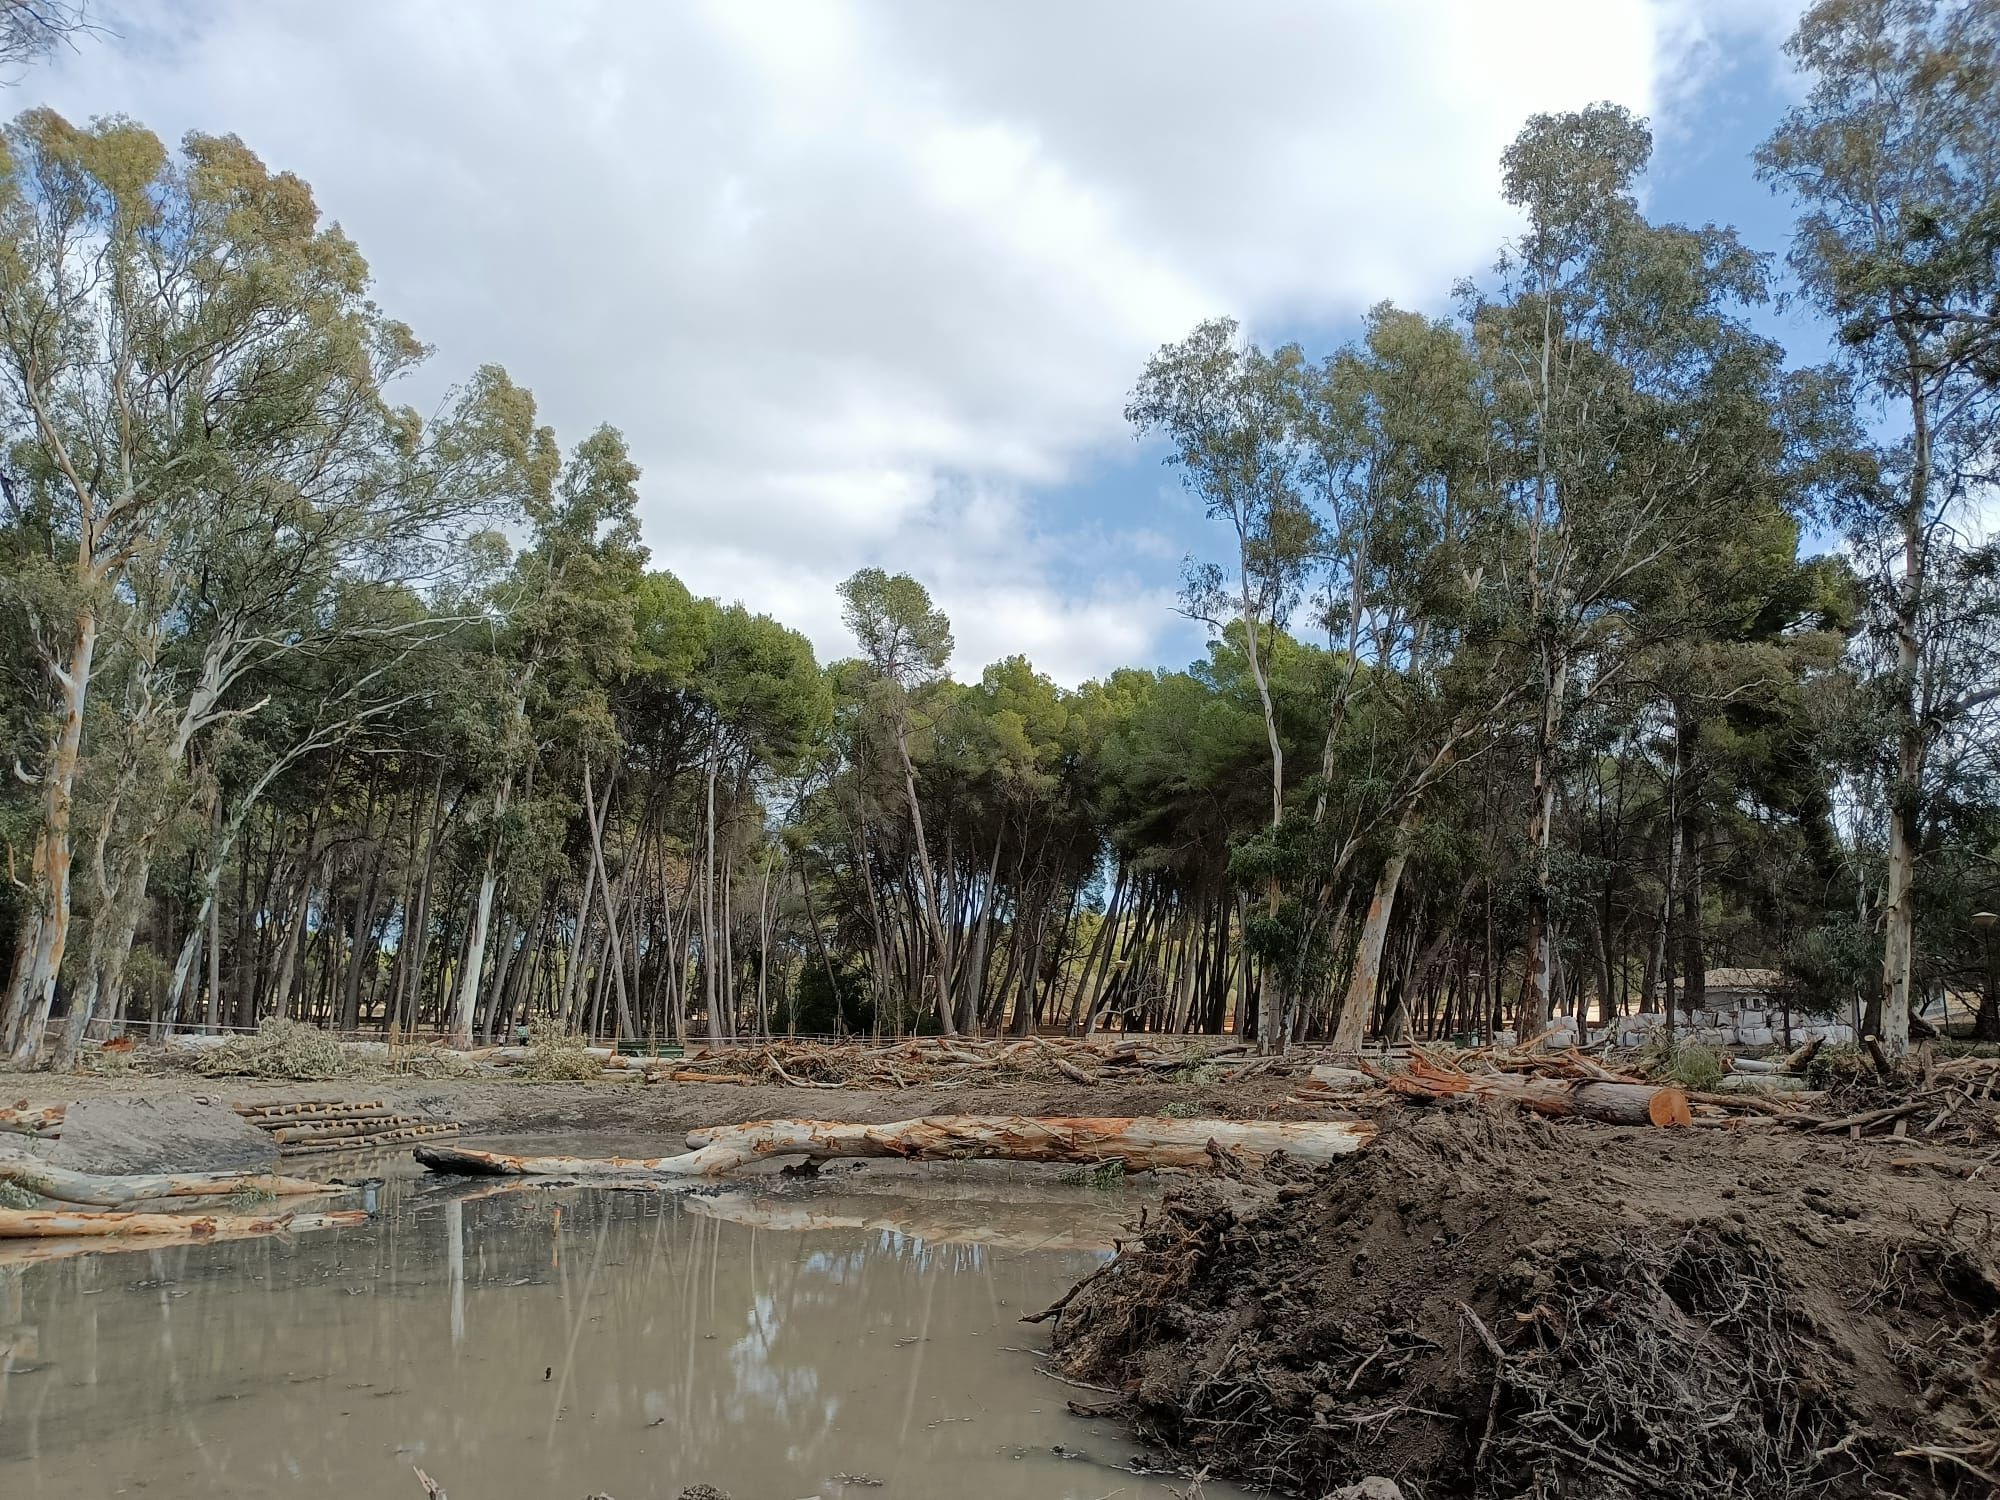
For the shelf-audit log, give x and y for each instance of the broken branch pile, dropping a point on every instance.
(306, 1126)
(934, 1062)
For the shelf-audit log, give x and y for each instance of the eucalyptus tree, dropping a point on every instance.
(185, 350)
(1894, 161)
(1229, 415)
(1616, 349)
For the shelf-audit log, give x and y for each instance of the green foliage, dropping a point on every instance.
(1690, 1064)
(278, 1049)
(557, 1056)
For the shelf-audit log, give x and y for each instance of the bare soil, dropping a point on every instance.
(1487, 1304)
(1480, 1304)
(624, 1104)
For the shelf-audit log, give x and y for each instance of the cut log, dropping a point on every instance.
(1761, 1083)
(1799, 1060)
(1755, 1065)
(1139, 1144)
(335, 1130)
(67, 1186)
(1588, 1099)
(36, 1223)
(255, 1111)
(934, 1224)
(369, 1142)
(21, 1120)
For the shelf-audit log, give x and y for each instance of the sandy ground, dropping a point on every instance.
(505, 1106)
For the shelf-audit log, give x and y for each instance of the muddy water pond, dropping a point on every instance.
(775, 1340)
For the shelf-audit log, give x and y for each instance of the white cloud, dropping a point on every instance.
(860, 279)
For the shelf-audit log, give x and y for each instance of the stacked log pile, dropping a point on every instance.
(307, 1126)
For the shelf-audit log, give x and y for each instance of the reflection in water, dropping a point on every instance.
(546, 1345)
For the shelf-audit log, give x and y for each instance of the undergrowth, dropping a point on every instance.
(1690, 1064)
(284, 1049)
(558, 1056)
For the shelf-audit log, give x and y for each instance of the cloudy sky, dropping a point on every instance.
(867, 282)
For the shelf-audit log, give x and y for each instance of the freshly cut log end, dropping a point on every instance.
(1667, 1107)
(1140, 1144)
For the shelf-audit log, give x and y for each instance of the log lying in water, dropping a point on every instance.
(933, 1223)
(1615, 1103)
(22, 1120)
(36, 1223)
(67, 1186)
(1139, 1144)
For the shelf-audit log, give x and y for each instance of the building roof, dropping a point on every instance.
(1749, 981)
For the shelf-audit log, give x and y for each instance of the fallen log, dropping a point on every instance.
(934, 1224)
(68, 1186)
(1140, 1144)
(1612, 1103)
(1761, 1083)
(21, 1120)
(38, 1223)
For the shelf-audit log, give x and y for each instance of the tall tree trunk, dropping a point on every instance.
(940, 955)
(1350, 1029)
(1906, 796)
(1538, 960)
(31, 992)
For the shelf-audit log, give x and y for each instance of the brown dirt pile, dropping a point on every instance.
(1488, 1305)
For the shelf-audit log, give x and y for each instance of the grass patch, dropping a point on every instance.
(1181, 1109)
(13, 1195)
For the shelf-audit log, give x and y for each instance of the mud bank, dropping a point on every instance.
(1487, 1305)
(639, 1111)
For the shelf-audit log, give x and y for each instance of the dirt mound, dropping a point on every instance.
(1486, 1305)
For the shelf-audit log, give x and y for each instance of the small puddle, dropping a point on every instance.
(776, 1340)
